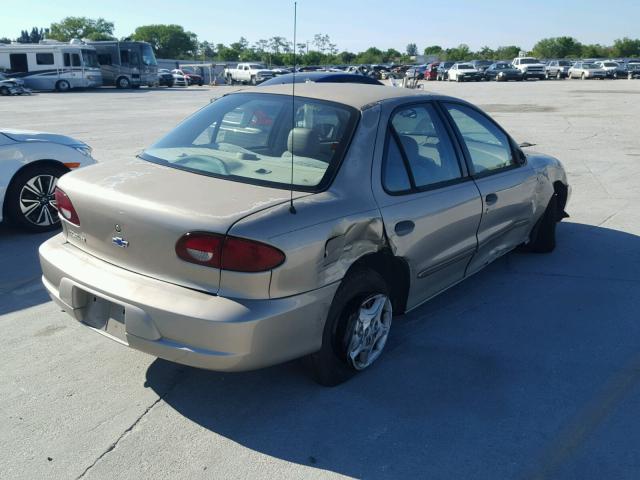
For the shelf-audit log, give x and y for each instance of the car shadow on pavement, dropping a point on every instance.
(481, 382)
(20, 284)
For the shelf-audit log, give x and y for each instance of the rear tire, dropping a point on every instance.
(543, 235)
(30, 203)
(63, 86)
(348, 346)
(4, 91)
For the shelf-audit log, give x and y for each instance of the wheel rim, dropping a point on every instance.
(37, 201)
(64, 85)
(370, 331)
(124, 83)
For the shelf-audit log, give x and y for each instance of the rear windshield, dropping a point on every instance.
(528, 61)
(256, 138)
(465, 66)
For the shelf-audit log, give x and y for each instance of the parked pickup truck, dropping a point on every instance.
(253, 73)
(530, 67)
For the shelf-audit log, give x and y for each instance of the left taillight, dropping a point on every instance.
(65, 208)
(228, 253)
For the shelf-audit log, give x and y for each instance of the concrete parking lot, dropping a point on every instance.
(528, 370)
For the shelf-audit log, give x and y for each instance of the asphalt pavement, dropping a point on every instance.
(528, 370)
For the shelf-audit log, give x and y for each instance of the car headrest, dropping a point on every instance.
(303, 141)
(410, 146)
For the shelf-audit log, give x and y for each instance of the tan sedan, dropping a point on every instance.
(266, 228)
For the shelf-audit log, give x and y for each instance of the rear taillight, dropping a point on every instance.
(228, 253)
(65, 208)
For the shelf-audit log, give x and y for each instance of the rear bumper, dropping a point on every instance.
(180, 324)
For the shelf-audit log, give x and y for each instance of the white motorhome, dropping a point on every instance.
(51, 65)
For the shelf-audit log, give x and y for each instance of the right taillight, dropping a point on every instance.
(65, 207)
(228, 253)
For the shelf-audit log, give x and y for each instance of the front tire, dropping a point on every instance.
(30, 201)
(356, 329)
(543, 235)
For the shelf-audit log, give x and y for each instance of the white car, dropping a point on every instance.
(530, 67)
(464, 72)
(30, 165)
(179, 80)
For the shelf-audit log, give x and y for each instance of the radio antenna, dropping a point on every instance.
(292, 209)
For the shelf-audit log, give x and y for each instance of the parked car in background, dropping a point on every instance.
(464, 72)
(530, 67)
(179, 80)
(633, 70)
(416, 72)
(431, 72)
(442, 73)
(280, 71)
(247, 73)
(587, 70)
(503, 72)
(322, 77)
(557, 69)
(191, 77)
(481, 66)
(12, 86)
(260, 240)
(165, 77)
(30, 165)
(612, 69)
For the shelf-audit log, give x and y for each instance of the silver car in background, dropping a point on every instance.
(266, 228)
(587, 70)
(30, 165)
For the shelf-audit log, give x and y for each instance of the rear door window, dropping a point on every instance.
(425, 146)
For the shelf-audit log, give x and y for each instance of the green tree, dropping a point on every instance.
(558, 47)
(81, 27)
(486, 53)
(433, 50)
(5, 40)
(595, 51)
(168, 41)
(391, 55)
(412, 49)
(507, 53)
(346, 57)
(626, 47)
(370, 55)
(461, 52)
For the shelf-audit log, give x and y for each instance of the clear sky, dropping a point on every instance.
(352, 24)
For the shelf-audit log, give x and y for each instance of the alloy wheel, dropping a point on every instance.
(37, 201)
(370, 331)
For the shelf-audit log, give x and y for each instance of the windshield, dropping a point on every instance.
(465, 66)
(247, 137)
(256, 66)
(504, 66)
(90, 58)
(148, 58)
(564, 63)
(610, 64)
(528, 61)
(484, 63)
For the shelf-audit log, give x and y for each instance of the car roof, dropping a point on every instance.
(356, 95)
(320, 77)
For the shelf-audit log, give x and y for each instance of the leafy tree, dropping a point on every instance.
(558, 47)
(371, 55)
(321, 42)
(595, 51)
(81, 27)
(346, 57)
(412, 50)
(507, 53)
(461, 52)
(168, 41)
(390, 55)
(433, 50)
(5, 40)
(486, 53)
(626, 47)
(24, 37)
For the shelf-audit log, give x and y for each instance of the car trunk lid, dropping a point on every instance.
(133, 212)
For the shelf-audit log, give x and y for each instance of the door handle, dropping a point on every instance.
(404, 228)
(491, 199)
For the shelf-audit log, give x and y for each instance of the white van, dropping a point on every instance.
(51, 65)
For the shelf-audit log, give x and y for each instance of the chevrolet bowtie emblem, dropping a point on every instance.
(120, 242)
